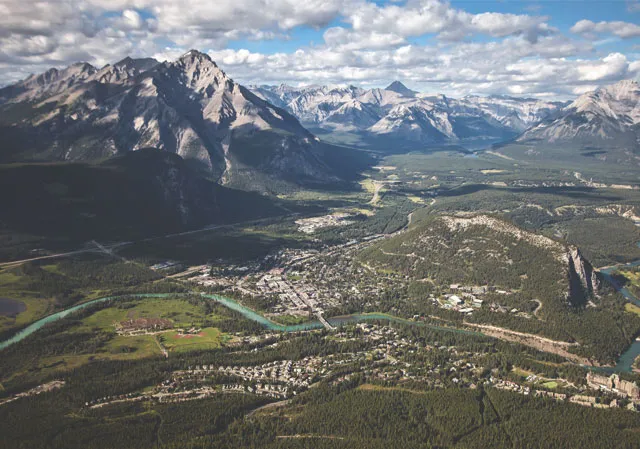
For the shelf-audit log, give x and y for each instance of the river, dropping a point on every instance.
(624, 363)
(233, 305)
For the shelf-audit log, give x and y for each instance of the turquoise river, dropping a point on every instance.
(624, 363)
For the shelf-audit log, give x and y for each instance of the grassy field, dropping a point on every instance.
(99, 326)
(632, 308)
(46, 287)
(180, 312)
(14, 286)
(633, 280)
(521, 372)
(209, 338)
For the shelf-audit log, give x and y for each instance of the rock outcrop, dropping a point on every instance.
(584, 282)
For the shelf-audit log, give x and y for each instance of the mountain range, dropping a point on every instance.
(261, 137)
(608, 115)
(403, 115)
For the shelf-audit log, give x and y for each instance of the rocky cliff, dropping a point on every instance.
(584, 282)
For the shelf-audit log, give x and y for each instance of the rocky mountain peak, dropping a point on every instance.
(199, 72)
(139, 64)
(46, 84)
(188, 106)
(608, 114)
(613, 100)
(623, 90)
(196, 58)
(124, 69)
(400, 88)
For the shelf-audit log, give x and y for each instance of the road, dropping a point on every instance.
(324, 322)
(317, 312)
(109, 249)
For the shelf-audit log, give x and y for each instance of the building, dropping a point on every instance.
(614, 384)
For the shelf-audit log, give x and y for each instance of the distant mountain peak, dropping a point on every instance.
(125, 61)
(623, 89)
(609, 114)
(400, 88)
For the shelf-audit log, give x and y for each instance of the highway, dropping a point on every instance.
(109, 249)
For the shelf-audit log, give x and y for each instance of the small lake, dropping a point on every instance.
(11, 307)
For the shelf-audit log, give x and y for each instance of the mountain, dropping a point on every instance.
(125, 69)
(528, 282)
(404, 117)
(134, 195)
(401, 89)
(609, 115)
(189, 107)
(51, 82)
(517, 114)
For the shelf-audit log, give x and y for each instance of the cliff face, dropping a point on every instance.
(584, 282)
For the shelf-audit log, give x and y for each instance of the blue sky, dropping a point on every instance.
(545, 49)
(562, 14)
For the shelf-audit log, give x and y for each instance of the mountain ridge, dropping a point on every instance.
(188, 106)
(400, 113)
(609, 113)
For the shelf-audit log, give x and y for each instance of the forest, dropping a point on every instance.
(350, 415)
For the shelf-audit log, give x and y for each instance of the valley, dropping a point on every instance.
(188, 262)
(234, 300)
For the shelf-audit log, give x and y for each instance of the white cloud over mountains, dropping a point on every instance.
(429, 44)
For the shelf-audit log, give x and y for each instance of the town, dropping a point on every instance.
(386, 357)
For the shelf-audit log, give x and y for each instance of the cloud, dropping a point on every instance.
(429, 43)
(624, 30)
(354, 40)
(500, 25)
(420, 17)
(633, 6)
(523, 69)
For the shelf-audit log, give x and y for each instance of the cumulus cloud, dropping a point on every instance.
(429, 43)
(418, 17)
(354, 40)
(523, 69)
(624, 30)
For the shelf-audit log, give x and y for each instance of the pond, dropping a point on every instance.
(11, 307)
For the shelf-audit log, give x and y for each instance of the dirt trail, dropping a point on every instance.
(377, 187)
(533, 341)
(269, 406)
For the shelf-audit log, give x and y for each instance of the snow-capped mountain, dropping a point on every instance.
(609, 113)
(518, 114)
(189, 107)
(400, 113)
